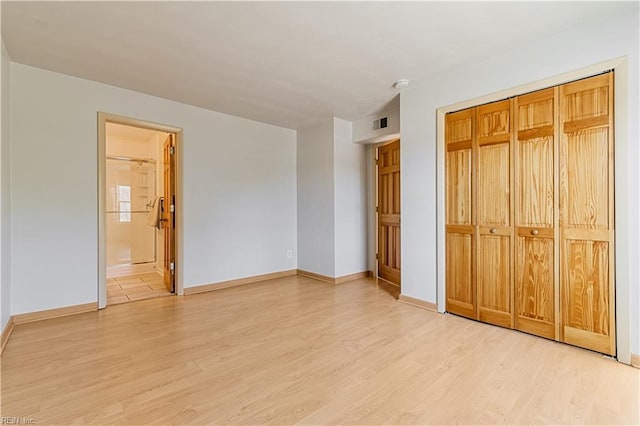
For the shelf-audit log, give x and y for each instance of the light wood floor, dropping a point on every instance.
(295, 350)
(135, 287)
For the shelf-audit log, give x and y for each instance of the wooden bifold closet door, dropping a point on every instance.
(536, 218)
(495, 224)
(586, 213)
(529, 213)
(460, 222)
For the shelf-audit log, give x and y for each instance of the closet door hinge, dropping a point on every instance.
(172, 208)
(172, 267)
(172, 150)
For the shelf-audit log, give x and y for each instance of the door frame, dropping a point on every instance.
(620, 67)
(103, 119)
(374, 155)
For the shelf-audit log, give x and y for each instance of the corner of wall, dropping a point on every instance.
(315, 198)
(350, 201)
(5, 187)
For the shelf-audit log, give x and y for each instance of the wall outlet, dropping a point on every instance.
(289, 254)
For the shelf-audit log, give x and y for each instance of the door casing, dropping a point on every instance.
(103, 119)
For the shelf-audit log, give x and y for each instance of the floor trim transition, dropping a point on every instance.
(418, 303)
(54, 313)
(337, 280)
(635, 360)
(6, 333)
(351, 277)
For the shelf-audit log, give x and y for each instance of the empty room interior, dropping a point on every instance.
(320, 213)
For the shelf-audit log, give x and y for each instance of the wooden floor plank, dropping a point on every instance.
(295, 350)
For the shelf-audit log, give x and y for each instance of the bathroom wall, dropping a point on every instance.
(130, 240)
(158, 142)
(118, 146)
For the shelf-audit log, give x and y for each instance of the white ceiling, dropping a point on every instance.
(284, 63)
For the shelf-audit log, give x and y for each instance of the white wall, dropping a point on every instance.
(5, 191)
(316, 220)
(238, 186)
(582, 46)
(332, 199)
(350, 201)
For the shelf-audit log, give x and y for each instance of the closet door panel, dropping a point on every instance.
(586, 172)
(586, 293)
(493, 177)
(494, 282)
(535, 283)
(494, 277)
(460, 276)
(459, 190)
(587, 288)
(535, 189)
(535, 306)
(460, 239)
(493, 185)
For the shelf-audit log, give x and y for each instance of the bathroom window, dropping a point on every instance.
(124, 203)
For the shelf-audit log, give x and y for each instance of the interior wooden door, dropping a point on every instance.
(168, 211)
(460, 232)
(536, 283)
(389, 212)
(494, 210)
(586, 213)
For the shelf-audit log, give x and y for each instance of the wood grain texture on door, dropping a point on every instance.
(460, 273)
(459, 192)
(460, 226)
(494, 209)
(389, 212)
(586, 213)
(535, 282)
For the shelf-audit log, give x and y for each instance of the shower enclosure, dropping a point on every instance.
(131, 188)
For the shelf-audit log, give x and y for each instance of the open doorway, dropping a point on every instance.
(388, 211)
(137, 210)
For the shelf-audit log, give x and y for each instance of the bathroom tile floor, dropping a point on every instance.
(135, 287)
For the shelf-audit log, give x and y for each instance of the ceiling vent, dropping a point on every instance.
(380, 123)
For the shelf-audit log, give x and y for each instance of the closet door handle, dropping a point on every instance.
(534, 232)
(493, 230)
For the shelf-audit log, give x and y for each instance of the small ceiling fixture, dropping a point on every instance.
(401, 84)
